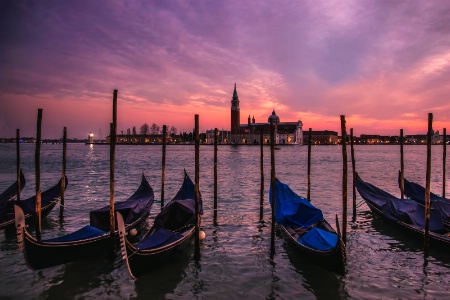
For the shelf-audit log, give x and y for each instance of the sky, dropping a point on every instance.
(383, 64)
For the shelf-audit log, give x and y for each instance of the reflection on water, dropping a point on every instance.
(402, 242)
(164, 281)
(235, 263)
(60, 281)
(273, 294)
(322, 283)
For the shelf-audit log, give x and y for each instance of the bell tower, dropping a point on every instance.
(235, 113)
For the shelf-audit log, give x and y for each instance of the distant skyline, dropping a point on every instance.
(383, 64)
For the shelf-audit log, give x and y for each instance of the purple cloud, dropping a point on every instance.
(380, 60)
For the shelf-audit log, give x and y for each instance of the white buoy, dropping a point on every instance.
(201, 235)
(132, 232)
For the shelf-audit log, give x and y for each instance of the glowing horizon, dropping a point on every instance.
(309, 60)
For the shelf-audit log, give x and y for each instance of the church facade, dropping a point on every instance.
(250, 133)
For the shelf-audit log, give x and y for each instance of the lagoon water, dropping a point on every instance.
(235, 264)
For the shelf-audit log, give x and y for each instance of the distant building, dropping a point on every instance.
(374, 139)
(324, 137)
(422, 138)
(235, 113)
(250, 133)
(140, 139)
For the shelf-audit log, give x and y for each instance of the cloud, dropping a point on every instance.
(383, 61)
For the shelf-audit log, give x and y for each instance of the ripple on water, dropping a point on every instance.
(381, 262)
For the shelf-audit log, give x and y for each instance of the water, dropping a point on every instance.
(235, 254)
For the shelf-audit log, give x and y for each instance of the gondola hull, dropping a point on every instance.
(45, 211)
(438, 240)
(305, 229)
(332, 260)
(88, 242)
(44, 255)
(417, 192)
(141, 262)
(378, 199)
(11, 192)
(49, 199)
(171, 233)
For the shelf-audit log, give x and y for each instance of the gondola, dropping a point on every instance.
(49, 199)
(305, 228)
(416, 192)
(404, 213)
(90, 241)
(10, 193)
(172, 230)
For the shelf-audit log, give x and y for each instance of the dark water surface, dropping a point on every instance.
(235, 264)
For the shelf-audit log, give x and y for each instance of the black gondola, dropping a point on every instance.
(404, 213)
(172, 231)
(10, 193)
(417, 193)
(304, 227)
(93, 240)
(49, 199)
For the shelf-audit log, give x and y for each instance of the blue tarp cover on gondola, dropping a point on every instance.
(417, 193)
(319, 239)
(293, 210)
(443, 207)
(187, 191)
(395, 209)
(180, 211)
(411, 212)
(159, 238)
(176, 214)
(84, 233)
(132, 209)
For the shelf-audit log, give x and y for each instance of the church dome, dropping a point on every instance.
(274, 117)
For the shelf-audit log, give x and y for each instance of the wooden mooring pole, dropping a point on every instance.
(197, 190)
(344, 180)
(272, 184)
(308, 196)
(215, 175)
(352, 151)
(115, 108)
(444, 160)
(63, 175)
(163, 175)
(261, 162)
(402, 167)
(37, 167)
(426, 243)
(112, 159)
(18, 163)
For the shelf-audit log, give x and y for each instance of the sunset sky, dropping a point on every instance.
(383, 64)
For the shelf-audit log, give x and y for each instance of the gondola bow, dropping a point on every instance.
(172, 231)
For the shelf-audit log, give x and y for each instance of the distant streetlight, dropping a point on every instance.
(91, 138)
